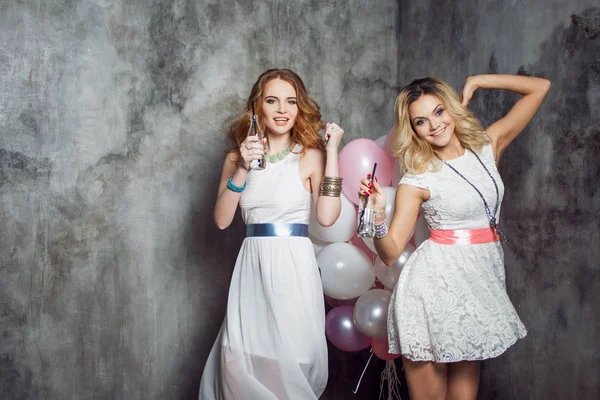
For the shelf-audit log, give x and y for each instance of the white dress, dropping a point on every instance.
(450, 303)
(272, 342)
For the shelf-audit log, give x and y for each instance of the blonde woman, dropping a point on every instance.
(450, 309)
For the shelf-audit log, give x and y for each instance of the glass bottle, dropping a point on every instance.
(366, 218)
(253, 130)
(366, 214)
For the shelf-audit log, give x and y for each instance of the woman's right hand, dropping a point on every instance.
(251, 149)
(471, 85)
(377, 198)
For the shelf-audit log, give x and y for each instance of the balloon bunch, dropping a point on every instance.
(356, 283)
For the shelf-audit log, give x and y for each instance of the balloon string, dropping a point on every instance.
(389, 374)
(363, 373)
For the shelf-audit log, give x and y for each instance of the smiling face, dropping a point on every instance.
(431, 120)
(279, 106)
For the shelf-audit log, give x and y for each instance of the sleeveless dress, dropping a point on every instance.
(450, 303)
(272, 343)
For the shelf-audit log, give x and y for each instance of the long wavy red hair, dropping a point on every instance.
(308, 122)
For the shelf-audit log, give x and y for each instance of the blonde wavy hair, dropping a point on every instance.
(308, 121)
(414, 153)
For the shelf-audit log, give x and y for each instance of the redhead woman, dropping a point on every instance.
(272, 343)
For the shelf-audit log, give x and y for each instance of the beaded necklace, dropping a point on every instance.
(280, 155)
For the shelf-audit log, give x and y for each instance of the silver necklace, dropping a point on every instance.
(491, 216)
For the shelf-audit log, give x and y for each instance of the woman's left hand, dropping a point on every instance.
(333, 136)
(470, 87)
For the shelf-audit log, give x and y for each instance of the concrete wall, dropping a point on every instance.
(113, 277)
(551, 210)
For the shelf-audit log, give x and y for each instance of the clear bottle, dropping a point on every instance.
(366, 214)
(255, 131)
(366, 218)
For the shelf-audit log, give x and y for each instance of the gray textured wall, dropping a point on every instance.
(113, 276)
(552, 204)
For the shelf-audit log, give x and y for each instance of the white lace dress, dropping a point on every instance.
(272, 343)
(450, 303)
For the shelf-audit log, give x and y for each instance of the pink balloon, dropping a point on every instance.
(356, 162)
(388, 142)
(396, 172)
(342, 332)
(381, 348)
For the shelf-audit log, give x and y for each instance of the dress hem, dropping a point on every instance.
(482, 358)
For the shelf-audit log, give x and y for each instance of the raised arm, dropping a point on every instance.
(236, 167)
(326, 164)
(506, 129)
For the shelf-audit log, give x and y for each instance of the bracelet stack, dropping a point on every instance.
(331, 186)
(381, 230)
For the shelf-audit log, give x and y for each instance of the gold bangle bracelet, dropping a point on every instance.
(330, 194)
(331, 186)
(332, 179)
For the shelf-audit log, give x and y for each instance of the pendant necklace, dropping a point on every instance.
(491, 216)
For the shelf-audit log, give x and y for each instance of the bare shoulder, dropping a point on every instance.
(231, 162)
(315, 153)
(232, 157)
(313, 157)
(406, 192)
(313, 160)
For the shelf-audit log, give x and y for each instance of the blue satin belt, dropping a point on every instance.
(254, 230)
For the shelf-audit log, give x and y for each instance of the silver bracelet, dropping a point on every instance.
(381, 230)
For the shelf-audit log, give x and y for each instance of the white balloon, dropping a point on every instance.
(342, 230)
(317, 249)
(390, 202)
(346, 272)
(317, 243)
(369, 242)
(389, 274)
(421, 231)
(371, 312)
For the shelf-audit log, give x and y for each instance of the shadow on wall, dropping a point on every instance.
(559, 156)
(551, 212)
(201, 234)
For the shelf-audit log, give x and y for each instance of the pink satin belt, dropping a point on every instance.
(463, 236)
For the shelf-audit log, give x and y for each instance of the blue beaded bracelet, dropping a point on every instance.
(233, 188)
